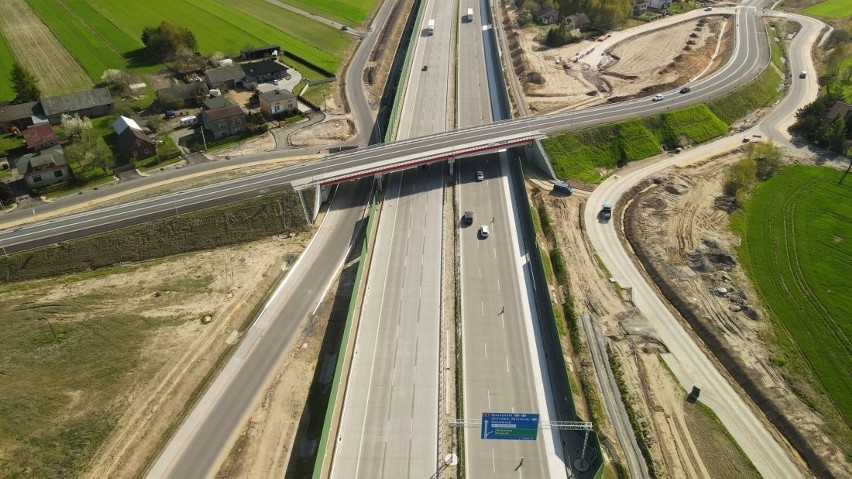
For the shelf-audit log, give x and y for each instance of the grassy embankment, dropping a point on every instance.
(347, 12)
(6, 62)
(236, 223)
(796, 233)
(831, 9)
(590, 155)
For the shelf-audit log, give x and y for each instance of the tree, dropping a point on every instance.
(163, 41)
(835, 136)
(561, 35)
(74, 125)
(118, 81)
(6, 193)
(24, 84)
(767, 158)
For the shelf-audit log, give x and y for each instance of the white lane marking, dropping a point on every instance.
(498, 285)
(488, 391)
(503, 320)
(493, 462)
(485, 348)
(507, 365)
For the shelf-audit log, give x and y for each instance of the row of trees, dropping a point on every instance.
(812, 124)
(607, 14)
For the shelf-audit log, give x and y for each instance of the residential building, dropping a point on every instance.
(224, 77)
(183, 95)
(659, 4)
(839, 109)
(639, 7)
(134, 145)
(263, 71)
(226, 121)
(122, 123)
(90, 103)
(278, 102)
(579, 20)
(41, 136)
(44, 167)
(257, 53)
(22, 115)
(548, 16)
(216, 102)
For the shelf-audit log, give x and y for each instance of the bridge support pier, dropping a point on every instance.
(452, 163)
(538, 156)
(320, 196)
(379, 177)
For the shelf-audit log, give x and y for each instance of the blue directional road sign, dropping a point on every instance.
(509, 425)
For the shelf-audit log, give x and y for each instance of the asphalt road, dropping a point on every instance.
(687, 360)
(202, 440)
(751, 54)
(389, 423)
(500, 354)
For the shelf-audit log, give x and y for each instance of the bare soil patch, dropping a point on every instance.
(657, 398)
(39, 51)
(323, 133)
(682, 225)
(166, 323)
(555, 79)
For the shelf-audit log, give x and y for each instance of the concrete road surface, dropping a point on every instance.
(389, 425)
(201, 442)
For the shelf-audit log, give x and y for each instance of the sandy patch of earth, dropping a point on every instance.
(556, 79)
(323, 133)
(179, 357)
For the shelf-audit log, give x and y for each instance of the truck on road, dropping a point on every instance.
(469, 17)
(430, 27)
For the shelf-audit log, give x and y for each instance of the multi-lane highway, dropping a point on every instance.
(500, 353)
(750, 55)
(389, 423)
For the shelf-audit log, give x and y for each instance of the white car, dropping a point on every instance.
(708, 9)
(480, 176)
(483, 231)
(657, 97)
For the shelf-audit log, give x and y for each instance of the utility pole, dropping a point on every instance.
(846, 172)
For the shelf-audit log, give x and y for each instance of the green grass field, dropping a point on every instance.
(582, 154)
(103, 34)
(6, 62)
(831, 9)
(349, 12)
(759, 93)
(796, 235)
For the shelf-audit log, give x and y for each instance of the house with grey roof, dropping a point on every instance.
(90, 103)
(263, 71)
(276, 103)
(225, 77)
(44, 167)
(22, 115)
(183, 95)
(216, 102)
(226, 121)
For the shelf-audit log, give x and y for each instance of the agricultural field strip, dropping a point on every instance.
(6, 62)
(39, 51)
(87, 29)
(90, 49)
(831, 9)
(348, 12)
(800, 271)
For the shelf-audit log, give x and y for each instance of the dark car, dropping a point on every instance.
(425, 68)
(467, 218)
(606, 212)
(685, 89)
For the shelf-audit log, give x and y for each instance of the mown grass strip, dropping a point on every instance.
(796, 246)
(761, 92)
(831, 9)
(349, 12)
(6, 62)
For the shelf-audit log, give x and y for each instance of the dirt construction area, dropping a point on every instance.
(557, 79)
(120, 354)
(681, 221)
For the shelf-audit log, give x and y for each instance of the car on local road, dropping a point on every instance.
(483, 231)
(480, 175)
(708, 9)
(467, 218)
(657, 97)
(803, 74)
(685, 89)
